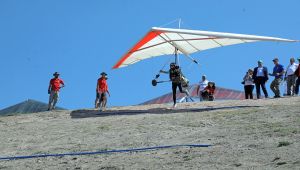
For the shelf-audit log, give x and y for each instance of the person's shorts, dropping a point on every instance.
(102, 96)
(54, 95)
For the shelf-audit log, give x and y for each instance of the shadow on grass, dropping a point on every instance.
(97, 113)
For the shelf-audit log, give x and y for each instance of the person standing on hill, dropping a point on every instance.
(297, 73)
(53, 90)
(248, 84)
(201, 86)
(290, 77)
(260, 77)
(278, 72)
(102, 91)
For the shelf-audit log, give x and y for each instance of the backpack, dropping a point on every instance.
(184, 81)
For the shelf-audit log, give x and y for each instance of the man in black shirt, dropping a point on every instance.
(260, 77)
(175, 76)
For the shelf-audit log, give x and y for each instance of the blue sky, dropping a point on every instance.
(80, 39)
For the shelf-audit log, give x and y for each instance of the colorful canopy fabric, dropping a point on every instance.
(163, 41)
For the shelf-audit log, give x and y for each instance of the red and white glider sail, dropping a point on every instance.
(163, 41)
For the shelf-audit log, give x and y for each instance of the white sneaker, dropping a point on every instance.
(175, 105)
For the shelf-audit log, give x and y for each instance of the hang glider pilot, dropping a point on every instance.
(175, 76)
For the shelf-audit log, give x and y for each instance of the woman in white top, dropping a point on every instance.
(248, 84)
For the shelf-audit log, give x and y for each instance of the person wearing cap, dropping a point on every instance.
(101, 92)
(260, 77)
(290, 77)
(297, 73)
(201, 86)
(278, 72)
(53, 90)
(248, 84)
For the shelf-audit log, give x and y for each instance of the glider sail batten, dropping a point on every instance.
(163, 41)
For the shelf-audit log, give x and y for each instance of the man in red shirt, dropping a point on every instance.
(53, 90)
(297, 73)
(101, 90)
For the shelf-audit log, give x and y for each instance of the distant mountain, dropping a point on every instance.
(28, 106)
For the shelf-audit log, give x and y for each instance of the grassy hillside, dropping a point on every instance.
(246, 134)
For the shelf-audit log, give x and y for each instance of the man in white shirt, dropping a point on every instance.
(290, 77)
(201, 86)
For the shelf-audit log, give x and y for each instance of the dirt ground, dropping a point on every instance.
(246, 134)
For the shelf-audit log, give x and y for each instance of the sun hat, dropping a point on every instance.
(56, 73)
(103, 73)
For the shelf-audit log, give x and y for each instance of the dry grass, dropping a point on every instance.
(254, 134)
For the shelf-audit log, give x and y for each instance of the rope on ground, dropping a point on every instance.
(102, 152)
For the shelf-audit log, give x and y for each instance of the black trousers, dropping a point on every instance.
(297, 86)
(174, 87)
(260, 82)
(248, 91)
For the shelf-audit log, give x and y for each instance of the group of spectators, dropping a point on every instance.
(57, 83)
(259, 76)
(206, 89)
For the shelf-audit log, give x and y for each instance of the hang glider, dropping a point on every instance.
(164, 41)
